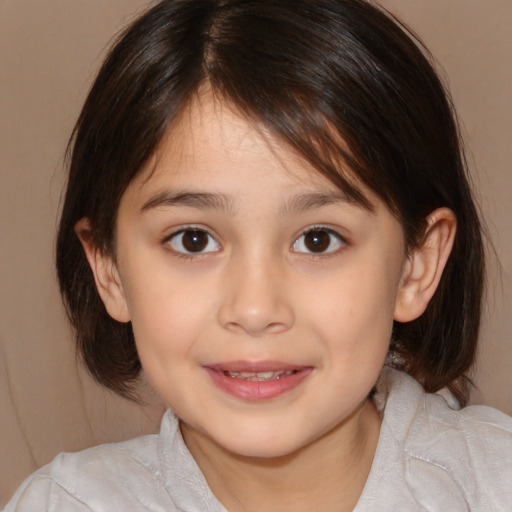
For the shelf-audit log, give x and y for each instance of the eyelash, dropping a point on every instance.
(340, 242)
(186, 253)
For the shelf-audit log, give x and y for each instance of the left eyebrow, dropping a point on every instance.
(310, 201)
(200, 200)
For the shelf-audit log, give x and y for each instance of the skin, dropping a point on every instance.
(255, 293)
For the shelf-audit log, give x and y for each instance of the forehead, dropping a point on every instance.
(215, 160)
(210, 134)
(211, 141)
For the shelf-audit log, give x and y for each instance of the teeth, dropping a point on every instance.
(258, 376)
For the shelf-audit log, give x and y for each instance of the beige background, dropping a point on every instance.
(49, 51)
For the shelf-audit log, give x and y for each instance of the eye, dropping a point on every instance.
(318, 241)
(193, 241)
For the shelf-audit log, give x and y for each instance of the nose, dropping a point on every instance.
(256, 301)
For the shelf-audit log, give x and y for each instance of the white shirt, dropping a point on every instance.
(430, 457)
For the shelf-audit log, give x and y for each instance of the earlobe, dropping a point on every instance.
(425, 265)
(106, 275)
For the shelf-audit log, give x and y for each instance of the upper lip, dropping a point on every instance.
(254, 366)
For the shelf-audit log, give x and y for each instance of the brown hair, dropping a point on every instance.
(311, 71)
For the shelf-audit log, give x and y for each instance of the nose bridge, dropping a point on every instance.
(256, 300)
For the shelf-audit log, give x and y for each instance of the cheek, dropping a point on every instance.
(161, 311)
(172, 312)
(356, 307)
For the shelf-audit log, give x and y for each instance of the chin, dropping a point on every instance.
(263, 441)
(263, 449)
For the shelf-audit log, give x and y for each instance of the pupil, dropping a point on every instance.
(317, 241)
(195, 241)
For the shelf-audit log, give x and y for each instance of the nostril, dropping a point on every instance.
(256, 322)
(276, 327)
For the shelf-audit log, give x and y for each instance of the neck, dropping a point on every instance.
(328, 474)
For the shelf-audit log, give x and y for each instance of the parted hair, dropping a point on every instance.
(340, 81)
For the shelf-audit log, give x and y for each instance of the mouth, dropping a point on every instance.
(259, 376)
(259, 381)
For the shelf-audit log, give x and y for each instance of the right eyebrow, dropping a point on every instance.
(200, 200)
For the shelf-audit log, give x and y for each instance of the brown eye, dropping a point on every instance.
(193, 241)
(318, 241)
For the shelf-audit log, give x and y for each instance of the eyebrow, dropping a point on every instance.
(201, 200)
(310, 201)
(204, 200)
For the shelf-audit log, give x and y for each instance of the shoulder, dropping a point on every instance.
(467, 452)
(153, 473)
(121, 476)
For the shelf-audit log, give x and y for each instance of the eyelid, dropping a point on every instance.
(190, 254)
(331, 231)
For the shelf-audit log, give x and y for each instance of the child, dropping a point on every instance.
(268, 212)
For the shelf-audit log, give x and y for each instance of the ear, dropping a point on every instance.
(424, 267)
(106, 275)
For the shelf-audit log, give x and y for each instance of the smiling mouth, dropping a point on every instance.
(256, 382)
(259, 376)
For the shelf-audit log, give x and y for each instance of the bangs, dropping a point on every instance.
(311, 136)
(320, 91)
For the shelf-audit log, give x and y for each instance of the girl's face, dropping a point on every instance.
(262, 301)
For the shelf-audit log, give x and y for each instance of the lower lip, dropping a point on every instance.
(255, 391)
